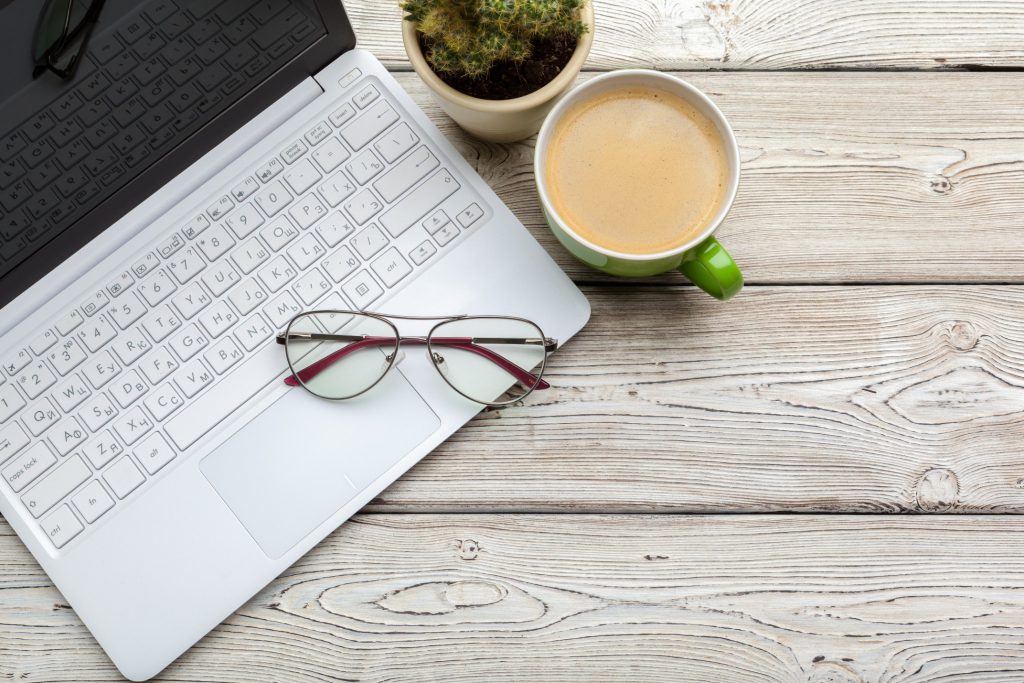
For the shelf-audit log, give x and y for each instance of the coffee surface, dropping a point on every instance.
(637, 170)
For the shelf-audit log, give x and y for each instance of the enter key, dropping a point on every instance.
(406, 173)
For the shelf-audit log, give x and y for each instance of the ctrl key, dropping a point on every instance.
(62, 526)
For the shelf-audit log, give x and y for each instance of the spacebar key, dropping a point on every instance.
(232, 392)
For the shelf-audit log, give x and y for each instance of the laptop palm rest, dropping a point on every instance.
(303, 458)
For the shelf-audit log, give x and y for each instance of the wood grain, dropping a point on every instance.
(592, 598)
(769, 34)
(847, 178)
(838, 399)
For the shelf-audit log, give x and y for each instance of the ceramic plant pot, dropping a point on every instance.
(500, 120)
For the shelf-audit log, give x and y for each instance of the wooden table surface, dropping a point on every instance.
(874, 365)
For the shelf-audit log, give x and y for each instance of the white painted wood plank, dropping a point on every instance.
(769, 34)
(838, 399)
(851, 177)
(592, 598)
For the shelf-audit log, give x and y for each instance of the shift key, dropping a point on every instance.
(419, 202)
(233, 391)
(56, 486)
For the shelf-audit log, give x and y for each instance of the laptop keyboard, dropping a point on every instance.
(112, 391)
(155, 77)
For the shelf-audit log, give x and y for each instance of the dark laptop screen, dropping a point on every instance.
(152, 74)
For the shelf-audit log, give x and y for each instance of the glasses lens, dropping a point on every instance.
(54, 21)
(344, 354)
(489, 360)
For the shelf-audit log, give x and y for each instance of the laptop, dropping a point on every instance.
(152, 458)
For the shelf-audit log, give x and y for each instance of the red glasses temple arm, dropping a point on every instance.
(462, 343)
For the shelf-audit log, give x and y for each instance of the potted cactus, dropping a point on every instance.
(498, 66)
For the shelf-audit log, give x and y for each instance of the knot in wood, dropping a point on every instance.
(833, 672)
(941, 185)
(963, 336)
(468, 549)
(937, 490)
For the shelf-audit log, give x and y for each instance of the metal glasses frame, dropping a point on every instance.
(549, 343)
(45, 62)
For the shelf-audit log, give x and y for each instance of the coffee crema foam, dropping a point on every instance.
(636, 170)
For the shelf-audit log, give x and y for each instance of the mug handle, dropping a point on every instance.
(712, 269)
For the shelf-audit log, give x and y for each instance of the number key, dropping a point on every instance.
(35, 379)
(96, 333)
(66, 357)
(156, 287)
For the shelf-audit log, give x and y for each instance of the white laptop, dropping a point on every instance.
(167, 204)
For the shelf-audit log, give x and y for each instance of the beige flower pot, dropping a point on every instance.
(500, 120)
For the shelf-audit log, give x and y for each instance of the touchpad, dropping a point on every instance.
(304, 457)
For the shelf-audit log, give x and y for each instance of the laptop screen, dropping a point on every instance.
(149, 76)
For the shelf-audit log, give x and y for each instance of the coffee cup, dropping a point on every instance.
(636, 170)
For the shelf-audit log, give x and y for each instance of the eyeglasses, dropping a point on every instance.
(490, 359)
(62, 35)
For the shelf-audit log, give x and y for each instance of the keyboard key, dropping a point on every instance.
(55, 486)
(306, 251)
(192, 378)
(293, 152)
(126, 311)
(145, 265)
(247, 296)
(277, 274)
(190, 300)
(364, 166)
(195, 226)
(158, 365)
(27, 467)
(96, 333)
(17, 361)
(363, 206)
(278, 233)
(102, 449)
(369, 241)
(419, 202)
(65, 357)
(154, 453)
(250, 255)
(12, 439)
(364, 97)
(330, 155)
(391, 267)
(301, 176)
(446, 234)
(241, 191)
(72, 392)
(312, 286)
(317, 134)
(219, 208)
(422, 252)
(220, 277)
(223, 355)
(170, 246)
(217, 318)
(470, 215)
(188, 342)
(369, 125)
(342, 115)
(35, 379)
(164, 400)
(281, 309)
(396, 142)
(186, 265)
(253, 332)
(66, 435)
(156, 287)
(119, 284)
(161, 322)
(334, 229)
(128, 389)
(92, 501)
(307, 211)
(337, 189)
(97, 412)
(61, 526)
(362, 290)
(95, 302)
(40, 416)
(130, 345)
(215, 242)
(273, 198)
(100, 369)
(123, 477)
(407, 173)
(270, 169)
(340, 264)
(132, 425)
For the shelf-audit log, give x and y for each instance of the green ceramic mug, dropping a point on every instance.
(702, 260)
